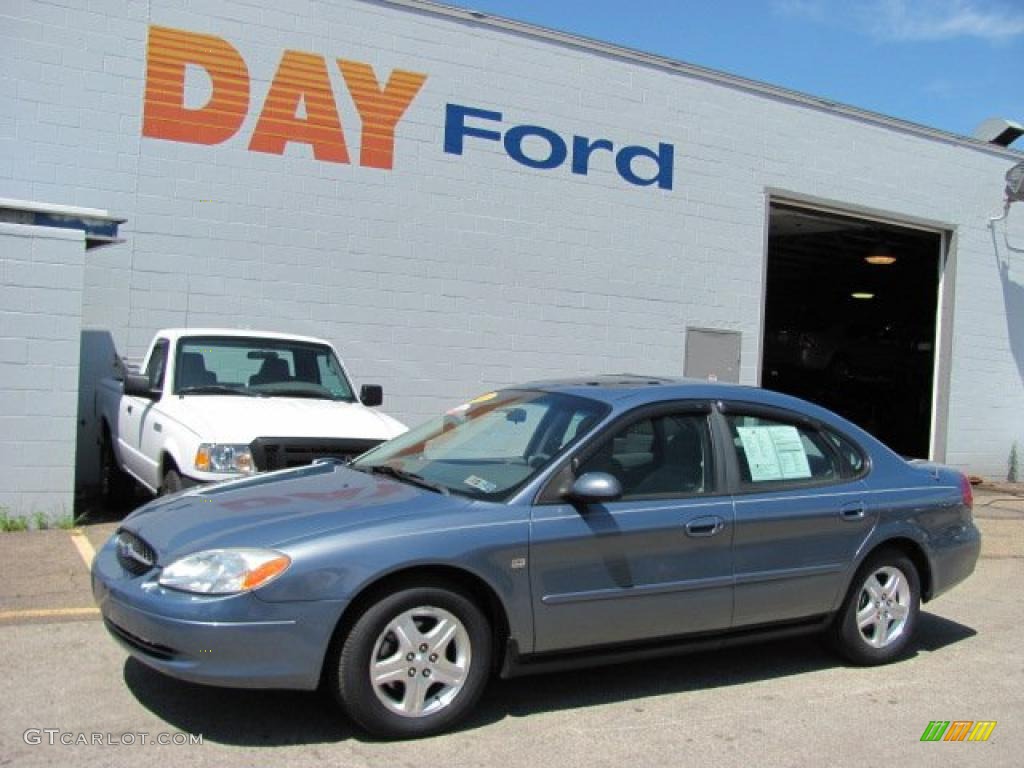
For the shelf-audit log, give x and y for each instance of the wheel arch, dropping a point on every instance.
(453, 577)
(915, 552)
(167, 461)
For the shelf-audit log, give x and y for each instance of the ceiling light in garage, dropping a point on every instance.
(862, 295)
(881, 259)
(880, 253)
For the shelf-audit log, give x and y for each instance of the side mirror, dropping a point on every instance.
(371, 395)
(595, 487)
(137, 385)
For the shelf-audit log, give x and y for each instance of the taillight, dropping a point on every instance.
(966, 492)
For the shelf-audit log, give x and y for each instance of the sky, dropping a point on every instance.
(947, 64)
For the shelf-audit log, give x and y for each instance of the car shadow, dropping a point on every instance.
(692, 673)
(277, 718)
(236, 716)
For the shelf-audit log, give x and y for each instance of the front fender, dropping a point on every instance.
(172, 447)
(489, 543)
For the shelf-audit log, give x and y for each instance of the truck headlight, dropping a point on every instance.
(225, 457)
(224, 571)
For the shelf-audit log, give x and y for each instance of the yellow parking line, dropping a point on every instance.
(84, 547)
(42, 613)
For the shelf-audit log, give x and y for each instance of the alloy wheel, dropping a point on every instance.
(883, 606)
(420, 662)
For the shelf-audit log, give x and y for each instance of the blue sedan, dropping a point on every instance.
(540, 527)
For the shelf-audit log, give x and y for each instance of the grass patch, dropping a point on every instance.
(10, 524)
(39, 521)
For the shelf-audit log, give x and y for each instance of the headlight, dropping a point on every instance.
(224, 571)
(224, 457)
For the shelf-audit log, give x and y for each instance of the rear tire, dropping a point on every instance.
(115, 485)
(878, 617)
(413, 664)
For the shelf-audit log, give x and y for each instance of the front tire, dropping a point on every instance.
(878, 618)
(414, 663)
(172, 482)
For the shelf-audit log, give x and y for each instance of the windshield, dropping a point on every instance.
(217, 365)
(491, 445)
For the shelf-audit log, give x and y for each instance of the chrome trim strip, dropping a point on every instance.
(613, 593)
(788, 573)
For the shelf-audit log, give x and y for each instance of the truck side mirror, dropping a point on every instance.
(137, 385)
(371, 395)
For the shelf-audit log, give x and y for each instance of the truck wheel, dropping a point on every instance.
(115, 485)
(172, 482)
(413, 664)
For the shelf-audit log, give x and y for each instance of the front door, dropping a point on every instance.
(136, 417)
(657, 562)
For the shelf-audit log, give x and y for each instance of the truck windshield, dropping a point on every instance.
(227, 365)
(490, 446)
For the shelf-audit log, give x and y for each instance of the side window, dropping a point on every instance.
(771, 451)
(157, 364)
(850, 454)
(665, 455)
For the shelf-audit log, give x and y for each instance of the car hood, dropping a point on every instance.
(271, 509)
(237, 419)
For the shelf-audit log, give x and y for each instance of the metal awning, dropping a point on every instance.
(99, 226)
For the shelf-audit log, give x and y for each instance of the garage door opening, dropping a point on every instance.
(850, 320)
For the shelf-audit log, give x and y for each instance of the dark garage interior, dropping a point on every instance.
(850, 320)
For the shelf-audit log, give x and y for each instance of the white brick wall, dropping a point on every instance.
(40, 316)
(448, 275)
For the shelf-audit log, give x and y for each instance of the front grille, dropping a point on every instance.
(149, 648)
(134, 554)
(270, 453)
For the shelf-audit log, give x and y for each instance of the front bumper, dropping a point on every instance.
(237, 641)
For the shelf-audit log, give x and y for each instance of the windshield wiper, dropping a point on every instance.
(216, 389)
(408, 477)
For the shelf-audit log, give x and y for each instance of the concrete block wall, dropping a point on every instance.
(40, 316)
(448, 275)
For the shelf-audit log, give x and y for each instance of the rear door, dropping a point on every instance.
(801, 512)
(655, 563)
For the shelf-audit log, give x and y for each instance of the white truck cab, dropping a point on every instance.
(211, 404)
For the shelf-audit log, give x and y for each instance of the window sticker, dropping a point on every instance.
(774, 453)
(480, 484)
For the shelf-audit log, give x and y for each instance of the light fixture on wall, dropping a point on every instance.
(862, 295)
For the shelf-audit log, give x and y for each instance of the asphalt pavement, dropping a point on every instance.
(72, 696)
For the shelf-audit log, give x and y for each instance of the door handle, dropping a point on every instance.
(128, 409)
(158, 427)
(705, 526)
(855, 511)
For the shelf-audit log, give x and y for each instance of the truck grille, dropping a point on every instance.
(134, 554)
(270, 453)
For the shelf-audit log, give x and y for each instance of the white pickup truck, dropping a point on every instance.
(211, 404)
